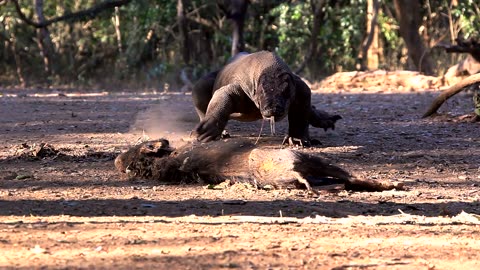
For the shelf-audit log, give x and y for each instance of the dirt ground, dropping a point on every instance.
(73, 210)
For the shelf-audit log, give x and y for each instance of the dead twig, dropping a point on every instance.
(455, 89)
(75, 16)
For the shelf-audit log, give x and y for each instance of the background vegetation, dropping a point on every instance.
(138, 43)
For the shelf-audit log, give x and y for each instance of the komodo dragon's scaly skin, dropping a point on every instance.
(255, 86)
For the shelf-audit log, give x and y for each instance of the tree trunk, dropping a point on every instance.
(238, 44)
(409, 17)
(116, 21)
(238, 18)
(370, 48)
(236, 10)
(182, 27)
(44, 40)
(18, 62)
(318, 17)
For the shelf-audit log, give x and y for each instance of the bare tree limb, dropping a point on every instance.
(450, 92)
(76, 16)
(470, 46)
(202, 21)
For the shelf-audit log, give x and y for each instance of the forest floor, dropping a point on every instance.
(73, 210)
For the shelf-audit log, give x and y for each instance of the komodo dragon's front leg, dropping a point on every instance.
(298, 119)
(225, 101)
(302, 114)
(299, 115)
(202, 93)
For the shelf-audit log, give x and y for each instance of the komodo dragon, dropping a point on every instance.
(255, 86)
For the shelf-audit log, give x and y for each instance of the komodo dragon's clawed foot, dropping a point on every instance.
(225, 135)
(208, 130)
(288, 140)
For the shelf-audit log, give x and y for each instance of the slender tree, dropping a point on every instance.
(409, 17)
(44, 40)
(236, 11)
(317, 7)
(183, 30)
(370, 46)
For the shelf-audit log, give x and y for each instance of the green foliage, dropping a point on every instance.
(87, 52)
(339, 39)
(466, 13)
(348, 25)
(392, 42)
(293, 30)
(389, 29)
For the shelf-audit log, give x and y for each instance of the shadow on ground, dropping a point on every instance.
(200, 207)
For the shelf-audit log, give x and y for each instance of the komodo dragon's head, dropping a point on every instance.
(275, 92)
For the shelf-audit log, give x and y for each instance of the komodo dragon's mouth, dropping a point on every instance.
(277, 112)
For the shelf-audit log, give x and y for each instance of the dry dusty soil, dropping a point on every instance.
(71, 209)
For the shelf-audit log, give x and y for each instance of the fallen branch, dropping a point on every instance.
(76, 16)
(470, 46)
(455, 89)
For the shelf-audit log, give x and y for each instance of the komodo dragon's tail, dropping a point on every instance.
(322, 119)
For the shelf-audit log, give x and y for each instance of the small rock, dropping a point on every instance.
(23, 176)
(38, 250)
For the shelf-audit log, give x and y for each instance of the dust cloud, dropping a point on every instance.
(169, 121)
